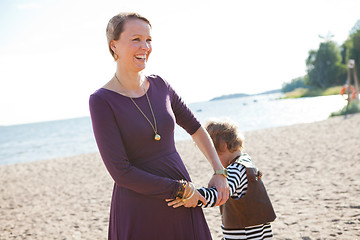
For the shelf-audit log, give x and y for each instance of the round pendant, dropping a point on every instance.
(157, 137)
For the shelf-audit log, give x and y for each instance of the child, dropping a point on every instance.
(248, 212)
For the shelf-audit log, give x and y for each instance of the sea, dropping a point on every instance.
(62, 138)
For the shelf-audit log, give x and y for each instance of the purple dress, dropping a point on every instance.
(145, 170)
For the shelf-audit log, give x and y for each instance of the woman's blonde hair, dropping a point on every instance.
(225, 131)
(116, 26)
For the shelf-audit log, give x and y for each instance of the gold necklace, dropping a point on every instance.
(154, 127)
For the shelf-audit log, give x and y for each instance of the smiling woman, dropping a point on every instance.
(133, 119)
(137, 27)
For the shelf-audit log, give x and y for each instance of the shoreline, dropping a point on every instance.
(176, 141)
(311, 172)
(70, 137)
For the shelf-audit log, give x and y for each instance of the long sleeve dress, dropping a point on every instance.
(238, 185)
(145, 171)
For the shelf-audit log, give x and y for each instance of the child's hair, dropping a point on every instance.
(225, 131)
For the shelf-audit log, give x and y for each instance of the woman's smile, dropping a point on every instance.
(141, 57)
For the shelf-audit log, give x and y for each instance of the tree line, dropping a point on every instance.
(327, 66)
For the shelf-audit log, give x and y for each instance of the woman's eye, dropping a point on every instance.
(149, 40)
(136, 39)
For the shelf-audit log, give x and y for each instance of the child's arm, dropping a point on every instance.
(237, 185)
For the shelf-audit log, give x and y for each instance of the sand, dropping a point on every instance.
(311, 171)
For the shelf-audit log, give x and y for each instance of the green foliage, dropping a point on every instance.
(327, 67)
(305, 92)
(332, 91)
(351, 48)
(296, 93)
(341, 74)
(355, 50)
(356, 28)
(299, 82)
(353, 107)
(324, 66)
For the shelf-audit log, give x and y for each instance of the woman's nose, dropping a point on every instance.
(146, 46)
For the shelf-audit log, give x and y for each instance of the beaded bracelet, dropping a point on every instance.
(181, 189)
(192, 194)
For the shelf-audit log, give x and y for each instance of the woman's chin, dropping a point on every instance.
(140, 67)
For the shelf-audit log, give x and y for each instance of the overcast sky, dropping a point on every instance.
(53, 53)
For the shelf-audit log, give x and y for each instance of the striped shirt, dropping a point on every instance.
(238, 184)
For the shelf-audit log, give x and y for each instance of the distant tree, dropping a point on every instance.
(310, 62)
(299, 82)
(356, 28)
(345, 52)
(351, 47)
(324, 66)
(347, 49)
(354, 51)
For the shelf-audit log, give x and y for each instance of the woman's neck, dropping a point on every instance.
(130, 81)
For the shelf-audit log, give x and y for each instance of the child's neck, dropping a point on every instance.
(228, 157)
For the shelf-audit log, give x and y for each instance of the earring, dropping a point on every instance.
(116, 57)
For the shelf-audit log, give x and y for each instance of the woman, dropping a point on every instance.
(133, 120)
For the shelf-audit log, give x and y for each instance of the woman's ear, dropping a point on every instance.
(112, 45)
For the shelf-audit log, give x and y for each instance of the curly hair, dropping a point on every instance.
(225, 131)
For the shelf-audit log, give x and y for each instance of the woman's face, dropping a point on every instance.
(134, 45)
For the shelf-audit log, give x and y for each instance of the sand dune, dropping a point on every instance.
(311, 171)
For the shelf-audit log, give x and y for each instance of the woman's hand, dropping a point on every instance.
(222, 187)
(192, 202)
(206, 146)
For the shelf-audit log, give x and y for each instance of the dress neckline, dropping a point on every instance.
(146, 92)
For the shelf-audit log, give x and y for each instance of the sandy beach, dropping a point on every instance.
(311, 172)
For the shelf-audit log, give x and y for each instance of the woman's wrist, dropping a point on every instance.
(189, 191)
(185, 191)
(181, 189)
(222, 172)
(217, 165)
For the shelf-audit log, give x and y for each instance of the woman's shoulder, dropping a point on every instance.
(101, 95)
(158, 80)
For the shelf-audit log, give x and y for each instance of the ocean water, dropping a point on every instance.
(62, 138)
(46, 140)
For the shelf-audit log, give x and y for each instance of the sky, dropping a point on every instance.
(54, 54)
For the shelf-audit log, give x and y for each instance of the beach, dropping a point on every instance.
(311, 172)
